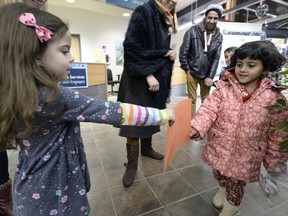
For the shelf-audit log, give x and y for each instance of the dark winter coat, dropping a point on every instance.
(145, 45)
(192, 57)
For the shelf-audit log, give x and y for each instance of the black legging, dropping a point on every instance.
(4, 174)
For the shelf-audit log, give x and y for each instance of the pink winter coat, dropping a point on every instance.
(236, 146)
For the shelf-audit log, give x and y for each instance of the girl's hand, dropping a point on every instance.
(171, 54)
(208, 82)
(153, 83)
(172, 117)
(194, 134)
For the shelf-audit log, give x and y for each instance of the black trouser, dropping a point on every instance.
(4, 174)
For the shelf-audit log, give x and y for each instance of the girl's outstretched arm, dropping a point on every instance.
(78, 107)
(145, 116)
(206, 114)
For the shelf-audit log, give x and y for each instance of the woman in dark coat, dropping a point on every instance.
(146, 79)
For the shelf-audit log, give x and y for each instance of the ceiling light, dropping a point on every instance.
(126, 14)
(70, 1)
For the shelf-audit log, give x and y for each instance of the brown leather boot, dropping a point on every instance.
(6, 199)
(147, 150)
(131, 166)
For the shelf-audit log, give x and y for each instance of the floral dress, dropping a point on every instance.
(52, 176)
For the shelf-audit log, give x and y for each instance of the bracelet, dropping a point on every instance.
(7, 184)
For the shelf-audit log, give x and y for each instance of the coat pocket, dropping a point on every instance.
(253, 150)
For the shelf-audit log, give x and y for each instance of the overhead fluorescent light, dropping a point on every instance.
(126, 14)
(70, 1)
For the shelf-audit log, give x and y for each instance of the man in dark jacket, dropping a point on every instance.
(146, 78)
(200, 52)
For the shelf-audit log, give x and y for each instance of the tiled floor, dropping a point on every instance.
(186, 189)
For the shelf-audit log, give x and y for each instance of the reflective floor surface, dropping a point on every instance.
(186, 189)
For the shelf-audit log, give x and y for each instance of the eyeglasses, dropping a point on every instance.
(39, 3)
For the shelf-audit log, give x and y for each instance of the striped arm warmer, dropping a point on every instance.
(143, 116)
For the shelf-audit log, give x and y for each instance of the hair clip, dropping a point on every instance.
(43, 33)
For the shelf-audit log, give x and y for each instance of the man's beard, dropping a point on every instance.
(210, 27)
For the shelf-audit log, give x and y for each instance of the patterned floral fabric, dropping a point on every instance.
(52, 177)
(237, 144)
(234, 188)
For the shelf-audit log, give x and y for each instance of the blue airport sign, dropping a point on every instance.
(78, 77)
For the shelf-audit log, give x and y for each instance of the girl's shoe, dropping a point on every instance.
(229, 209)
(218, 200)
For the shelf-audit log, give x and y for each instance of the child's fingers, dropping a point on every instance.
(170, 122)
(194, 134)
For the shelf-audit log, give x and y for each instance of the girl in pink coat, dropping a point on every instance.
(236, 117)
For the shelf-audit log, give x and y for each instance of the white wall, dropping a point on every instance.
(95, 30)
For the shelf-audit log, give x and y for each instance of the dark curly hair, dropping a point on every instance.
(265, 51)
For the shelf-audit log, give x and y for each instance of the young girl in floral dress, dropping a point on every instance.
(52, 176)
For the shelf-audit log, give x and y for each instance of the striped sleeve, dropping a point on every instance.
(143, 116)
